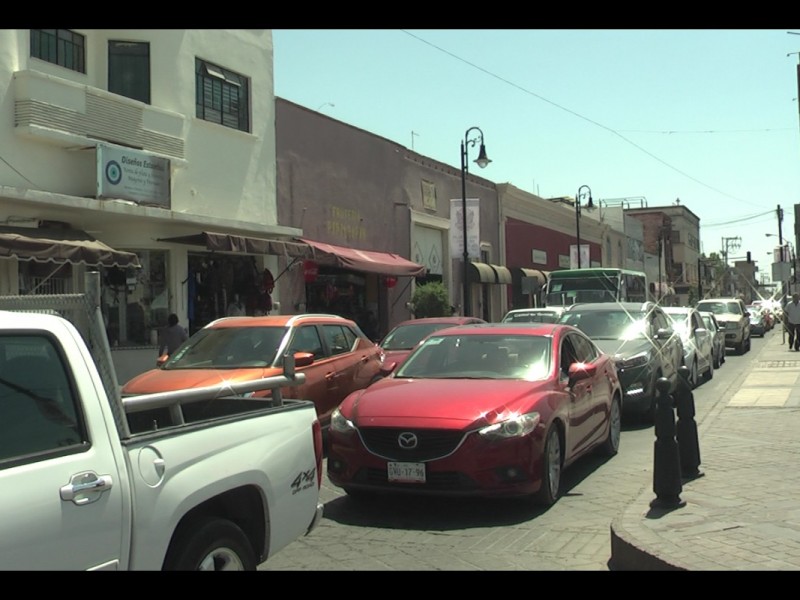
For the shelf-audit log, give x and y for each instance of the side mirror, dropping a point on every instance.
(387, 368)
(579, 371)
(303, 359)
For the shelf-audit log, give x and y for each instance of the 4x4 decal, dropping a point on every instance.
(304, 480)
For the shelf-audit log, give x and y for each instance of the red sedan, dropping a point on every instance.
(480, 410)
(400, 341)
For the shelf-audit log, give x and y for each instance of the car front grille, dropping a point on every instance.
(430, 443)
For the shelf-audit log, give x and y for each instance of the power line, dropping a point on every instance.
(580, 116)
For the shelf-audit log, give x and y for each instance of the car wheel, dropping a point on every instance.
(551, 469)
(211, 544)
(722, 354)
(717, 359)
(611, 445)
(694, 378)
(709, 375)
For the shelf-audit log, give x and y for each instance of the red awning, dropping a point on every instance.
(368, 260)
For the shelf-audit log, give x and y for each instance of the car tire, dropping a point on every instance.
(694, 376)
(610, 446)
(210, 544)
(709, 375)
(551, 465)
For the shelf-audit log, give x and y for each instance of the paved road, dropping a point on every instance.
(482, 535)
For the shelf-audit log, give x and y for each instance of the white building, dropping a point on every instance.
(135, 137)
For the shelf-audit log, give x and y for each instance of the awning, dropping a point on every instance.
(487, 273)
(229, 242)
(368, 260)
(539, 276)
(60, 246)
(529, 281)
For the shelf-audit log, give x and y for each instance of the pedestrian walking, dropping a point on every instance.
(791, 316)
(172, 336)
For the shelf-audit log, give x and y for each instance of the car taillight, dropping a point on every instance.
(316, 430)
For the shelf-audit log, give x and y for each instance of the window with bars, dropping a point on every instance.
(61, 47)
(222, 96)
(129, 69)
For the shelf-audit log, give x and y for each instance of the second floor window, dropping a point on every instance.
(222, 96)
(129, 69)
(61, 47)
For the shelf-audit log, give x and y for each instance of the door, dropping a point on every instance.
(321, 383)
(578, 434)
(64, 500)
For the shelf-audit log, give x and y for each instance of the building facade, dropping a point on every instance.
(144, 140)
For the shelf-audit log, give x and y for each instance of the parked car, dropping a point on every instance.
(759, 321)
(698, 342)
(733, 315)
(332, 352)
(401, 340)
(549, 314)
(643, 343)
(717, 335)
(480, 410)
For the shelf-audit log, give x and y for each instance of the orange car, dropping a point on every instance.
(334, 354)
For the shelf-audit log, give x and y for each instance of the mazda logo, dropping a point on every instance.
(407, 440)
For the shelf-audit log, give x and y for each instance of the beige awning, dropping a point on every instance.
(61, 245)
(487, 273)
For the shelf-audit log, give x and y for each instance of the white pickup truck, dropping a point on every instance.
(88, 483)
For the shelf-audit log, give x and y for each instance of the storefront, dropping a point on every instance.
(354, 283)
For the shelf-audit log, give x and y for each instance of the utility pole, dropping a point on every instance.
(783, 283)
(729, 243)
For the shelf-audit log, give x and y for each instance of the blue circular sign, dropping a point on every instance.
(113, 172)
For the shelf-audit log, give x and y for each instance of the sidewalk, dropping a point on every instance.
(743, 513)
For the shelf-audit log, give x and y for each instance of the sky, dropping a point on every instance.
(647, 117)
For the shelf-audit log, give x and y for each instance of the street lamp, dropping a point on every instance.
(481, 161)
(589, 206)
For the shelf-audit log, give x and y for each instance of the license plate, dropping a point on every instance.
(405, 472)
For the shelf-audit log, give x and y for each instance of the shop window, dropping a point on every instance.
(45, 278)
(136, 302)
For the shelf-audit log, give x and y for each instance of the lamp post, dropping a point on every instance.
(481, 161)
(589, 206)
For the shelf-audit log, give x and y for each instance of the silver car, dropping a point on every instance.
(718, 337)
(698, 343)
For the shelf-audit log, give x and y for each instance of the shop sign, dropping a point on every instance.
(130, 174)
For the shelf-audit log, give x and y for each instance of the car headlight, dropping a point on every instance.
(340, 423)
(518, 426)
(637, 360)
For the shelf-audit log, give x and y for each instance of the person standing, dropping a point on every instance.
(791, 315)
(172, 336)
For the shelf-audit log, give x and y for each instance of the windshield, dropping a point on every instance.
(680, 323)
(606, 324)
(719, 308)
(479, 357)
(405, 337)
(228, 348)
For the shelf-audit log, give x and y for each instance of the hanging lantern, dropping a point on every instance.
(389, 281)
(310, 271)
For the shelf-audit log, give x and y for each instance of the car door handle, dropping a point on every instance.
(330, 376)
(85, 488)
